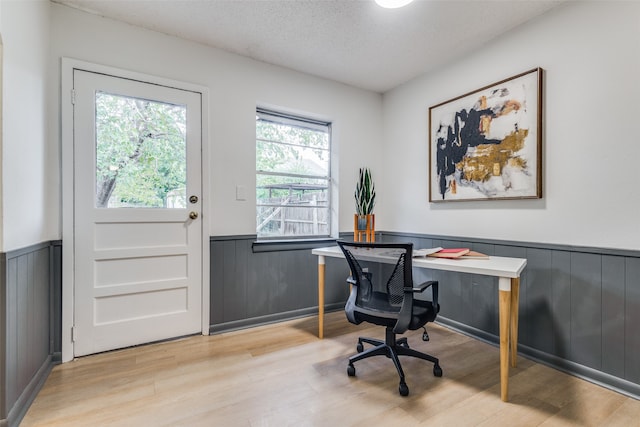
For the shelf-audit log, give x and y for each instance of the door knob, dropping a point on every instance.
(193, 215)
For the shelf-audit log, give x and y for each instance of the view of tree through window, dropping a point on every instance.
(292, 176)
(140, 153)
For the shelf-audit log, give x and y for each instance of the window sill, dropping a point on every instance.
(291, 245)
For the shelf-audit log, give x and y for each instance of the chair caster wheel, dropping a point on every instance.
(403, 389)
(360, 347)
(437, 370)
(351, 371)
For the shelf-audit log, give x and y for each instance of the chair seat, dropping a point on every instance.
(423, 312)
(380, 312)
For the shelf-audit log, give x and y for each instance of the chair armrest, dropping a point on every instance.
(404, 317)
(434, 295)
(422, 286)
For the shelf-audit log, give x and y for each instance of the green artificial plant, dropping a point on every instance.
(365, 193)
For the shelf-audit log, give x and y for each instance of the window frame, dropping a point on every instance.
(299, 121)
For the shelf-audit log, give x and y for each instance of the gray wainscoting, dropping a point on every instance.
(579, 307)
(257, 283)
(30, 306)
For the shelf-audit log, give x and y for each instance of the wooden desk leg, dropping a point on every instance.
(321, 266)
(515, 303)
(505, 317)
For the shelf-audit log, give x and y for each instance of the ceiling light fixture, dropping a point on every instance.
(393, 4)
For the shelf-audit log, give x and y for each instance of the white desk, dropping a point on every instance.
(506, 269)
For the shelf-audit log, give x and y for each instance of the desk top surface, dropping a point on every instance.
(494, 266)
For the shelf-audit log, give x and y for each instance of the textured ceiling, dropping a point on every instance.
(350, 41)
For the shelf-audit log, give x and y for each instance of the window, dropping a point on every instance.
(292, 176)
(141, 153)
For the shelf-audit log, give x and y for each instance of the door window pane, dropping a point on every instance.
(140, 153)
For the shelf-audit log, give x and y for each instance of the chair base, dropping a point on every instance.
(391, 348)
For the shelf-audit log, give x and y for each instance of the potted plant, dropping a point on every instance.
(365, 196)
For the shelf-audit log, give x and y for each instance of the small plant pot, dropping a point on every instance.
(364, 228)
(361, 222)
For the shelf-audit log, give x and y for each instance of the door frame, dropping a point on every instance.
(68, 65)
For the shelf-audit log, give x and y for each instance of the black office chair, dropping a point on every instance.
(390, 304)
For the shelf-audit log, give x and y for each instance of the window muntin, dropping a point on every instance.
(292, 176)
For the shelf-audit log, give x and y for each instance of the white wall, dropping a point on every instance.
(26, 171)
(590, 52)
(236, 86)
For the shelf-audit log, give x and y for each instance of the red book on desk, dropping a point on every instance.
(450, 253)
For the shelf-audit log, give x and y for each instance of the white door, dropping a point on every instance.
(137, 199)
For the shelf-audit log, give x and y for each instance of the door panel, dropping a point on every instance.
(138, 254)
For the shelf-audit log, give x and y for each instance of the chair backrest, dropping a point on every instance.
(397, 256)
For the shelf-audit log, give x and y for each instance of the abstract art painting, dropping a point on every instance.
(487, 144)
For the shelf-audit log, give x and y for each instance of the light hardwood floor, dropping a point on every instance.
(283, 375)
